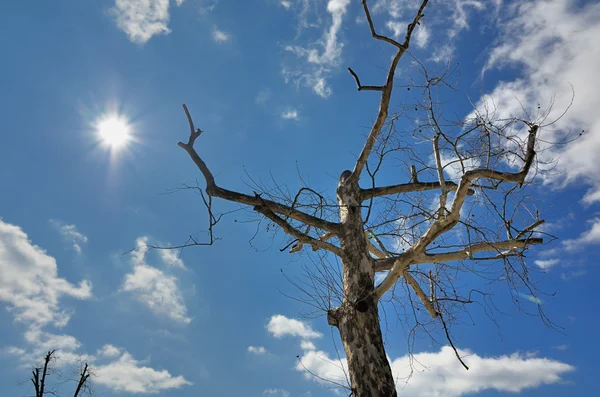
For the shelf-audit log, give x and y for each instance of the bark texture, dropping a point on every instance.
(358, 318)
(369, 368)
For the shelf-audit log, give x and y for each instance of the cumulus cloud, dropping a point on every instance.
(257, 349)
(546, 264)
(280, 326)
(431, 374)
(563, 34)
(142, 19)
(439, 374)
(154, 288)
(128, 375)
(453, 166)
(307, 345)
(29, 282)
(70, 234)
(591, 236)
(220, 36)
(286, 4)
(323, 56)
(31, 289)
(109, 351)
(170, 257)
(290, 114)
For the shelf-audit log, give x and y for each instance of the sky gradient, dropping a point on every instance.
(266, 81)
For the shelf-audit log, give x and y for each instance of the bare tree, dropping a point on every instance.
(40, 375)
(463, 208)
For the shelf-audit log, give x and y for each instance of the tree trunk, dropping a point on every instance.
(369, 368)
(358, 317)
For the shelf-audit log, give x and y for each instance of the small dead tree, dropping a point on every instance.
(420, 233)
(40, 375)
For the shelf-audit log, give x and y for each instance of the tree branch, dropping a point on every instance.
(289, 229)
(452, 343)
(385, 264)
(45, 371)
(419, 292)
(36, 381)
(440, 172)
(366, 194)
(364, 87)
(443, 224)
(386, 92)
(212, 189)
(83, 377)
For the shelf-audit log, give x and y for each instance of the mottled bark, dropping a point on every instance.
(368, 366)
(358, 317)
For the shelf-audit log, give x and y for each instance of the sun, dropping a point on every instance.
(114, 131)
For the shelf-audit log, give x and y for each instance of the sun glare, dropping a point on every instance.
(114, 131)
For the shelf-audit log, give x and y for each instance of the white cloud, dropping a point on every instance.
(570, 275)
(460, 16)
(286, 4)
(319, 363)
(439, 374)
(276, 393)
(142, 19)
(563, 35)
(443, 53)
(453, 167)
(170, 257)
(204, 7)
(158, 291)
(431, 374)
(321, 57)
(591, 236)
(31, 288)
(280, 326)
(257, 349)
(307, 345)
(14, 351)
(546, 264)
(46, 341)
(29, 281)
(71, 234)
(220, 36)
(396, 8)
(420, 36)
(126, 374)
(291, 114)
(456, 12)
(154, 288)
(109, 351)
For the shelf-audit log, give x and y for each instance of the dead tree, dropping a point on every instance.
(40, 378)
(396, 228)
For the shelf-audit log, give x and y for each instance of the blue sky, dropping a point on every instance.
(266, 81)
